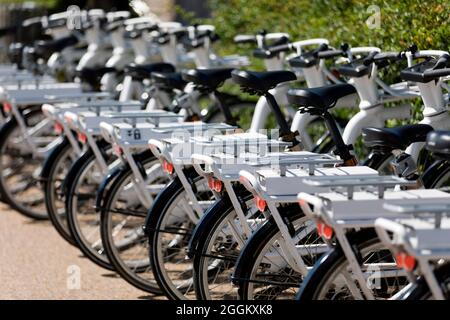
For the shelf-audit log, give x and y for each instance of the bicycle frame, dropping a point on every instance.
(419, 236)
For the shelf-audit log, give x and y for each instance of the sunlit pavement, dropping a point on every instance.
(36, 263)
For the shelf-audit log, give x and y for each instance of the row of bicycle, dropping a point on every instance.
(177, 199)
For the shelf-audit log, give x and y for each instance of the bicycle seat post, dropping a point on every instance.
(342, 150)
(229, 119)
(285, 131)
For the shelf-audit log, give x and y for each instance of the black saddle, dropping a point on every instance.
(438, 142)
(209, 78)
(171, 80)
(320, 99)
(144, 71)
(92, 75)
(94, 72)
(395, 138)
(261, 81)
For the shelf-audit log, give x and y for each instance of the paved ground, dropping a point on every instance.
(36, 263)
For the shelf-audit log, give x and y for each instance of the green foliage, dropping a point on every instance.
(402, 23)
(43, 3)
(425, 23)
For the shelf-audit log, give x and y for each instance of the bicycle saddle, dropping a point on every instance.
(438, 142)
(94, 72)
(395, 138)
(171, 80)
(428, 70)
(210, 78)
(317, 100)
(144, 71)
(261, 81)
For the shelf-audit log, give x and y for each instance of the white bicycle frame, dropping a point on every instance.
(422, 233)
(353, 209)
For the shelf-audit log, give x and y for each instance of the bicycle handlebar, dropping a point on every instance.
(442, 62)
(244, 38)
(329, 54)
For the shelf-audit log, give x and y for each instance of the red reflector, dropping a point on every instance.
(218, 185)
(324, 230)
(211, 183)
(260, 203)
(215, 184)
(167, 167)
(7, 107)
(117, 150)
(58, 128)
(406, 261)
(82, 137)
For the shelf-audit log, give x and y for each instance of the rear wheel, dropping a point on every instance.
(331, 279)
(20, 167)
(264, 270)
(216, 248)
(122, 219)
(421, 291)
(83, 219)
(61, 161)
(171, 222)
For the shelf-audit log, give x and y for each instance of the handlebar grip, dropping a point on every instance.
(244, 38)
(280, 48)
(370, 58)
(436, 73)
(329, 54)
(387, 56)
(441, 62)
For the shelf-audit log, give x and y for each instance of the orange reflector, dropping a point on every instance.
(406, 261)
(82, 137)
(7, 107)
(167, 167)
(118, 150)
(260, 203)
(58, 128)
(324, 230)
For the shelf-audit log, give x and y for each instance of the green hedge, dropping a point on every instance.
(402, 23)
(425, 23)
